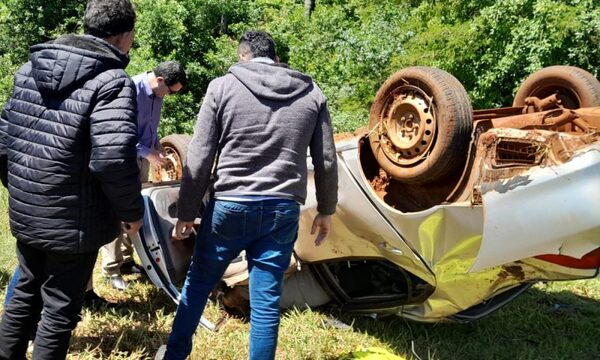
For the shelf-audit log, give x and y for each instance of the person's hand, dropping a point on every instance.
(131, 228)
(183, 229)
(156, 158)
(323, 224)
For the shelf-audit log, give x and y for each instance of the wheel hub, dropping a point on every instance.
(172, 170)
(408, 126)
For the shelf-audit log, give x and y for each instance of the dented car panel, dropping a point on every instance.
(447, 238)
(359, 230)
(544, 210)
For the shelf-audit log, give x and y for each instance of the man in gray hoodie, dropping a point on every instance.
(255, 126)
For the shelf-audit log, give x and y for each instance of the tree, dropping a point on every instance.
(349, 47)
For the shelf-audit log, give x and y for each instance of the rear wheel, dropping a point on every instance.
(574, 87)
(420, 125)
(175, 150)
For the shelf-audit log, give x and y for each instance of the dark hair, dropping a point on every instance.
(105, 18)
(172, 72)
(258, 44)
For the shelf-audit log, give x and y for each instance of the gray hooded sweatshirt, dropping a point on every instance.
(257, 122)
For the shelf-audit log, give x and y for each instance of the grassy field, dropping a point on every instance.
(551, 321)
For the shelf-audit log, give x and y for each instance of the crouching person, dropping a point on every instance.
(69, 135)
(257, 122)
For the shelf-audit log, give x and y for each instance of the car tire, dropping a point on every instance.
(420, 125)
(575, 87)
(175, 148)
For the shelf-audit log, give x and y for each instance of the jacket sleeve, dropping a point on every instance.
(201, 155)
(3, 149)
(113, 161)
(324, 159)
(142, 150)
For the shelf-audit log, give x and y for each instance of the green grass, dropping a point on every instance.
(551, 321)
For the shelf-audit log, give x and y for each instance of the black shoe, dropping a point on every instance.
(131, 267)
(117, 282)
(91, 300)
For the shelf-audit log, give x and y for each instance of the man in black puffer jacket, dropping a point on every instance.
(69, 135)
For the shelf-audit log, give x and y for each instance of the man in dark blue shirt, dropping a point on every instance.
(152, 86)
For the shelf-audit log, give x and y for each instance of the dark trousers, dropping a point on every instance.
(54, 283)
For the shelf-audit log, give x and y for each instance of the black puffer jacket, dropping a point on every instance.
(69, 132)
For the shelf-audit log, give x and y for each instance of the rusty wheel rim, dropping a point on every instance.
(407, 125)
(173, 169)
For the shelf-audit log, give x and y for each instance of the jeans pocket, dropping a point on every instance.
(228, 220)
(285, 225)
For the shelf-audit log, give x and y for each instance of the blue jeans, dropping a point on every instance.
(10, 289)
(267, 231)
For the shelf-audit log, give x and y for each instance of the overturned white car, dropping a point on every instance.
(443, 213)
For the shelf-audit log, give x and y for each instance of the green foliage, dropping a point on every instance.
(493, 52)
(7, 69)
(349, 47)
(345, 46)
(188, 31)
(25, 23)
(8, 257)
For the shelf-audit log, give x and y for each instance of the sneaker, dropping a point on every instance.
(117, 282)
(160, 354)
(92, 301)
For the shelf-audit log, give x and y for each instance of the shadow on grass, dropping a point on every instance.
(538, 324)
(135, 325)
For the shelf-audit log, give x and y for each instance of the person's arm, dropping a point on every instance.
(157, 146)
(144, 114)
(148, 146)
(113, 133)
(3, 150)
(142, 150)
(324, 159)
(202, 151)
(154, 156)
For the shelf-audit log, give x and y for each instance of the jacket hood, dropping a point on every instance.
(271, 81)
(61, 65)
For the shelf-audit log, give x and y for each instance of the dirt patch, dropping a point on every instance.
(514, 271)
(343, 136)
(349, 135)
(380, 183)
